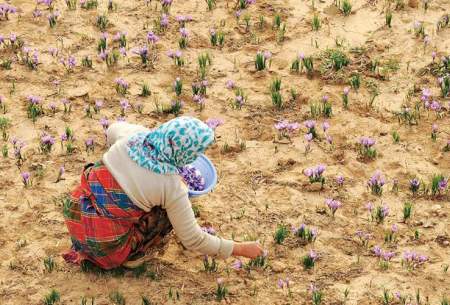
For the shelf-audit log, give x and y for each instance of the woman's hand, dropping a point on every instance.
(248, 249)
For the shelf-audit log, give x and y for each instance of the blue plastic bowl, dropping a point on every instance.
(209, 173)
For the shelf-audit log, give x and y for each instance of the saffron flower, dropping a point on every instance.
(333, 205)
(283, 283)
(213, 123)
(412, 260)
(164, 21)
(310, 259)
(121, 86)
(104, 123)
(5, 10)
(366, 149)
(192, 177)
(182, 20)
(98, 105)
(345, 97)
(152, 38)
(124, 105)
(52, 18)
(311, 126)
(340, 180)
(262, 60)
(26, 180)
(304, 233)
(177, 57)
(414, 185)
(47, 142)
(60, 174)
(434, 132)
(376, 183)
(379, 213)
(384, 256)
(230, 84)
(237, 265)
(89, 143)
(209, 230)
(315, 174)
(286, 129)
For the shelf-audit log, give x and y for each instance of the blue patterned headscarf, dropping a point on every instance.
(172, 145)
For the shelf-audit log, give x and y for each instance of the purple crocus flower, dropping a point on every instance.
(34, 99)
(286, 128)
(89, 142)
(192, 177)
(37, 13)
(47, 139)
(377, 250)
(340, 180)
(104, 123)
(367, 142)
(310, 124)
(164, 22)
(98, 104)
(308, 137)
(71, 62)
(151, 37)
(209, 230)
(124, 104)
(346, 91)
(376, 180)
(123, 51)
(12, 38)
(442, 185)
(333, 205)
(214, 123)
(325, 126)
(103, 55)
(52, 106)
(184, 33)
(434, 128)
(237, 265)
(414, 185)
(53, 51)
(280, 283)
(230, 84)
(25, 178)
(426, 94)
(394, 228)
(435, 106)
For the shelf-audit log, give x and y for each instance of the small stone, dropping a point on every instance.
(428, 224)
(278, 267)
(436, 207)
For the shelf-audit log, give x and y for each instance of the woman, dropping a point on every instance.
(127, 203)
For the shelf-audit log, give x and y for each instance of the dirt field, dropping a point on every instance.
(261, 177)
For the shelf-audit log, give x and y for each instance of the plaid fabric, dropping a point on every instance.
(106, 228)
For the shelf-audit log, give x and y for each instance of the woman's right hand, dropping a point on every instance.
(248, 249)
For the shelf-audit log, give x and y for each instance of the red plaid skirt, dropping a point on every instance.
(105, 227)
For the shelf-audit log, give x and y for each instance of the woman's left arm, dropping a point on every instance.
(181, 216)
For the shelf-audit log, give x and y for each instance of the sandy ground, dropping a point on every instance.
(260, 186)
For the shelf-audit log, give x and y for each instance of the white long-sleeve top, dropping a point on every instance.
(147, 189)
